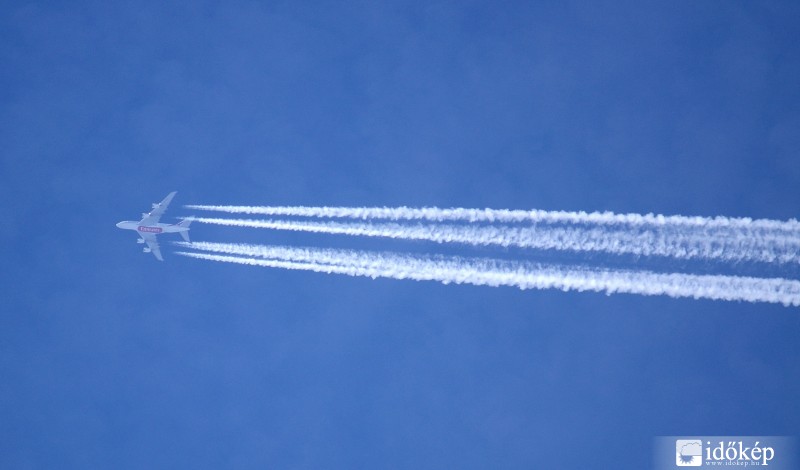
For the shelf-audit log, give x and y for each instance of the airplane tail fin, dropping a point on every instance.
(185, 223)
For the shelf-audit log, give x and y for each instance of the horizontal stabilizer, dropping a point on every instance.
(185, 223)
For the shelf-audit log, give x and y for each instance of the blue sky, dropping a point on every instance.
(109, 359)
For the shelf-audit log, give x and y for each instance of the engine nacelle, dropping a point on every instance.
(140, 241)
(156, 205)
(146, 250)
(144, 214)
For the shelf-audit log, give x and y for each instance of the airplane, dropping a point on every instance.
(149, 226)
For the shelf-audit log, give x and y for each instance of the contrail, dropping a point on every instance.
(679, 244)
(436, 214)
(489, 272)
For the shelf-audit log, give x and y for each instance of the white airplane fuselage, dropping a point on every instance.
(155, 229)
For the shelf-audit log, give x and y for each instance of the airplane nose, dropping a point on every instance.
(118, 224)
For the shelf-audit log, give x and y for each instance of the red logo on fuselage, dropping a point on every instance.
(150, 229)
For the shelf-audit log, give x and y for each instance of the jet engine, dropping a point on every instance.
(140, 241)
(146, 250)
(155, 205)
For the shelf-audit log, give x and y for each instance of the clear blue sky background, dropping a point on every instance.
(110, 359)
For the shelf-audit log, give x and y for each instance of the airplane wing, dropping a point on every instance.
(152, 243)
(154, 216)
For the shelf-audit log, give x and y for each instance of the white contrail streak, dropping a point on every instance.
(448, 269)
(674, 244)
(436, 214)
